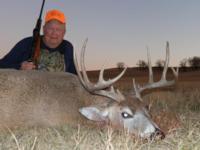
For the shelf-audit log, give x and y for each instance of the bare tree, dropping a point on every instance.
(183, 63)
(142, 64)
(194, 62)
(160, 63)
(120, 65)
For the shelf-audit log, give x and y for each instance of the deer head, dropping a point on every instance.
(120, 111)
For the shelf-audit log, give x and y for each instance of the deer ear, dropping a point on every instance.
(94, 114)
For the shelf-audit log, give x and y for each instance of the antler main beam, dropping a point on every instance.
(102, 84)
(163, 81)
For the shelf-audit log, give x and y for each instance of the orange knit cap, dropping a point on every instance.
(55, 14)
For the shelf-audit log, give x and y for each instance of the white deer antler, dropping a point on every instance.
(99, 87)
(163, 81)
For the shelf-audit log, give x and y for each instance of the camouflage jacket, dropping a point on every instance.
(51, 61)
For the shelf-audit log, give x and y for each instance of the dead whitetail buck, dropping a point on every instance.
(29, 98)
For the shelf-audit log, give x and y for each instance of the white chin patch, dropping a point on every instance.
(148, 131)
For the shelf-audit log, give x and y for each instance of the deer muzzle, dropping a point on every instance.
(158, 134)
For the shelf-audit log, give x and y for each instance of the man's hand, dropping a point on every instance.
(27, 65)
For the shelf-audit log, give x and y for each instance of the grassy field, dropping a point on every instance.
(176, 110)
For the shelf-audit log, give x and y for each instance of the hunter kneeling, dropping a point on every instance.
(54, 54)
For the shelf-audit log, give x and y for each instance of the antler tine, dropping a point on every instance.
(101, 84)
(115, 95)
(150, 67)
(77, 69)
(175, 72)
(82, 77)
(163, 81)
(83, 68)
(136, 89)
(166, 62)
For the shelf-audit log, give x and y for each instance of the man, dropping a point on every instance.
(56, 54)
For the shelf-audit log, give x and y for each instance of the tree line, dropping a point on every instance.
(191, 62)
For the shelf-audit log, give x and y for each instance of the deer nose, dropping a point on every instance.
(157, 134)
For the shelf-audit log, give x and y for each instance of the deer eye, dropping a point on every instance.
(126, 115)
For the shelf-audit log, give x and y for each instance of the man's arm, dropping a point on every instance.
(18, 54)
(69, 62)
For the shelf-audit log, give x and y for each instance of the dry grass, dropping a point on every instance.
(177, 111)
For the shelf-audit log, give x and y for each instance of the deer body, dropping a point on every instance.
(29, 98)
(35, 98)
(40, 98)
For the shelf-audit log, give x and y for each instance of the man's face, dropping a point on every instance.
(54, 32)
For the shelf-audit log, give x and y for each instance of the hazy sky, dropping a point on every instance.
(118, 30)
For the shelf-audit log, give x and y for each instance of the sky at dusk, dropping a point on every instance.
(117, 30)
